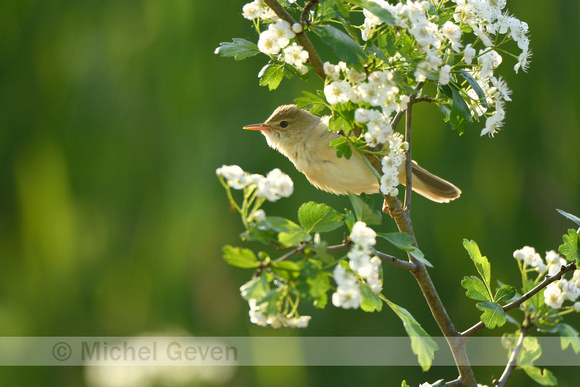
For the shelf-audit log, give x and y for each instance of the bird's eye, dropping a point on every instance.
(284, 124)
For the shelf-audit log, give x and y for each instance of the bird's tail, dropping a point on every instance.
(432, 187)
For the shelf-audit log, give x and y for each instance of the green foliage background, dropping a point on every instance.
(114, 115)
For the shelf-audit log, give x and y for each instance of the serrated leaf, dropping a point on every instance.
(363, 211)
(271, 75)
(376, 10)
(493, 314)
(476, 289)
(240, 257)
(312, 102)
(256, 288)
(573, 218)
(289, 233)
(505, 293)
(370, 301)
(318, 286)
(405, 242)
(421, 343)
(343, 45)
(530, 352)
(239, 49)
(570, 247)
(343, 149)
(318, 217)
(475, 86)
(481, 263)
(543, 377)
(459, 114)
(569, 337)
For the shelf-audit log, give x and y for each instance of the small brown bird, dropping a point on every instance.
(304, 138)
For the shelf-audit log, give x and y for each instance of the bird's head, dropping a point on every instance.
(286, 126)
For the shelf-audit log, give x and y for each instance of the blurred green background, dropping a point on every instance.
(114, 115)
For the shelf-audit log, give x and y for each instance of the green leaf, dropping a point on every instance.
(405, 242)
(421, 343)
(376, 10)
(239, 49)
(530, 352)
(271, 75)
(293, 237)
(343, 149)
(573, 218)
(570, 247)
(371, 301)
(343, 45)
(543, 377)
(363, 210)
(287, 265)
(481, 263)
(274, 300)
(568, 337)
(338, 124)
(505, 293)
(318, 217)
(476, 289)
(318, 286)
(256, 288)
(240, 257)
(289, 233)
(493, 314)
(475, 86)
(460, 113)
(312, 102)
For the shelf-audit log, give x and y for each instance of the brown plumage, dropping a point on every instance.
(304, 138)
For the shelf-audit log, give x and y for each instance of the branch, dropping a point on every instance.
(301, 37)
(304, 15)
(408, 161)
(524, 329)
(395, 261)
(514, 304)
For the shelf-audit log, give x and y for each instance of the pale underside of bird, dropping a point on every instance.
(305, 140)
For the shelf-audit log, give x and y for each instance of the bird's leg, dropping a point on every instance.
(392, 214)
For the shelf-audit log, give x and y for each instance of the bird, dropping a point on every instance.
(305, 140)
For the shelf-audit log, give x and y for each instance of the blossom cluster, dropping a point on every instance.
(277, 37)
(348, 293)
(259, 316)
(558, 291)
(440, 43)
(273, 186)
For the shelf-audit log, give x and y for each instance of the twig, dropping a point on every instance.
(524, 329)
(304, 17)
(408, 161)
(395, 261)
(301, 37)
(514, 304)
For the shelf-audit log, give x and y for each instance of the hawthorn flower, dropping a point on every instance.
(234, 175)
(337, 92)
(348, 294)
(295, 55)
(445, 75)
(469, 54)
(275, 185)
(268, 43)
(253, 10)
(553, 296)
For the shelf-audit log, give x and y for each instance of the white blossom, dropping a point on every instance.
(295, 55)
(553, 296)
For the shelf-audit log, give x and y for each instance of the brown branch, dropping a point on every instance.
(514, 304)
(512, 362)
(395, 261)
(304, 16)
(408, 160)
(301, 37)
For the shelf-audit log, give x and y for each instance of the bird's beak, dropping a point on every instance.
(258, 127)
